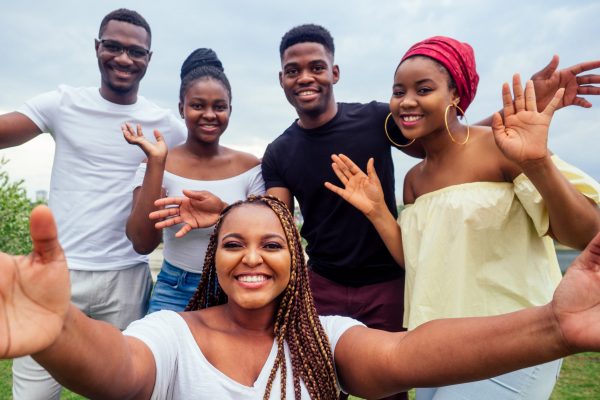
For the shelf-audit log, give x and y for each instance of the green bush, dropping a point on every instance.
(14, 214)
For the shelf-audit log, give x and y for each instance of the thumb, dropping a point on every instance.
(497, 125)
(158, 136)
(43, 234)
(548, 70)
(195, 194)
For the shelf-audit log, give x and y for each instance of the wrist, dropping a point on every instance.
(537, 166)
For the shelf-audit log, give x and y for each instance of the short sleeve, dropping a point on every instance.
(158, 332)
(256, 184)
(41, 110)
(138, 179)
(177, 132)
(335, 326)
(533, 203)
(270, 172)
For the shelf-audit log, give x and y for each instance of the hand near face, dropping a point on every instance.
(34, 291)
(548, 80)
(198, 209)
(361, 190)
(136, 137)
(576, 302)
(523, 134)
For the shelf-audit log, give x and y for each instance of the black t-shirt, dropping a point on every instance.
(343, 245)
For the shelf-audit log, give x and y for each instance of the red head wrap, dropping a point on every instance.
(457, 57)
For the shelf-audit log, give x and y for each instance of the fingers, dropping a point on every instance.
(158, 136)
(164, 213)
(335, 189)
(530, 101)
(507, 100)
(548, 70)
(497, 125)
(584, 66)
(197, 194)
(553, 105)
(339, 172)
(371, 173)
(588, 79)
(183, 231)
(44, 235)
(168, 222)
(168, 201)
(518, 93)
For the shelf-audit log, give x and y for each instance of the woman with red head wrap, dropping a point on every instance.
(481, 209)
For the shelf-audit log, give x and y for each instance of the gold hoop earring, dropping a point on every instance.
(448, 127)
(385, 124)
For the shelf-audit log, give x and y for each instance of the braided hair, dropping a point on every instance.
(296, 320)
(202, 63)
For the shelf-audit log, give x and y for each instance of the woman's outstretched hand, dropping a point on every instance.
(136, 137)
(522, 134)
(361, 190)
(576, 302)
(34, 291)
(198, 209)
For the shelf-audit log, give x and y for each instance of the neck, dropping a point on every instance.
(258, 321)
(200, 149)
(312, 121)
(123, 98)
(438, 145)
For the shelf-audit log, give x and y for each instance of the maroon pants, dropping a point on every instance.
(379, 306)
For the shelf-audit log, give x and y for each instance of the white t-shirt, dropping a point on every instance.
(90, 187)
(182, 371)
(188, 251)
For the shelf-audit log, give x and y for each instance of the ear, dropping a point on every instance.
(336, 73)
(181, 109)
(281, 78)
(149, 56)
(96, 44)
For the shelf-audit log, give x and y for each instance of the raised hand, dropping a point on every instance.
(34, 291)
(548, 80)
(523, 135)
(136, 137)
(576, 302)
(361, 190)
(198, 209)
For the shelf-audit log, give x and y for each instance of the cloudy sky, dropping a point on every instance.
(44, 44)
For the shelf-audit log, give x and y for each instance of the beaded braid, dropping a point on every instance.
(296, 321)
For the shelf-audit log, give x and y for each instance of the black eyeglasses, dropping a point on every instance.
(116, 48)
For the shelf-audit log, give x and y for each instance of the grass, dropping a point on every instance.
(579, 380)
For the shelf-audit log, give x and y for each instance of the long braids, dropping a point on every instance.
(296, 321)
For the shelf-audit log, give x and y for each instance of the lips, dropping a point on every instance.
(252, 281)
(307, 93)
(408, 120)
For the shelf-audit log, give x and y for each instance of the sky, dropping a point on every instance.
(45, 44)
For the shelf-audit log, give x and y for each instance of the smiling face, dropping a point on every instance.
(252, 259)
(420, 95)
(307, 78)
(206, 109)
(120, 73)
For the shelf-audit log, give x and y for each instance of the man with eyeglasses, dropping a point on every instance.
(91, 189)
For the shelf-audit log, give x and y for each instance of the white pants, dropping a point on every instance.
(117, 297)
(534, 383)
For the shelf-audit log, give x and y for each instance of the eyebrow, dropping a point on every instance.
(266, 236)
(420, 81)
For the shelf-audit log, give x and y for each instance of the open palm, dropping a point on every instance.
(361, 190)
(523, 133)
(576, 302)
(197, 209)
(136, 137)
(34, 291)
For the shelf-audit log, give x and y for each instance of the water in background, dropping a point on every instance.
(565, 257)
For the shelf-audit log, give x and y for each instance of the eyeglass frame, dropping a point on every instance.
(123, 49)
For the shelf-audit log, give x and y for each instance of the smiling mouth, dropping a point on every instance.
(252, 278)
(411, 118)
(304, 93)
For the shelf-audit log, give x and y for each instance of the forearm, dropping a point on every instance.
(458, 350)
(574, 219)
(389, 230)
(140, 228)
(93, 358)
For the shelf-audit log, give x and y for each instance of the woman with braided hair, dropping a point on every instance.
(252, 331)
(201, 163)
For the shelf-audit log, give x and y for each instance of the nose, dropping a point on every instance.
(123, 58)
(305, 77)
(408, 101)
(209, 113)
(252, 257)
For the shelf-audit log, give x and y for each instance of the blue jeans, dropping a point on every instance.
(173, 289)
(533, 383)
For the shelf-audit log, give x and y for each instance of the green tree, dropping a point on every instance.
(14, 214)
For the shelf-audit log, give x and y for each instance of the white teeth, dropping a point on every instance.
(252, 278)
(411, 118)
(306, 93)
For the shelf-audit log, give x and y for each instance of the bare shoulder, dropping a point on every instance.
(409, 191)
(243, 160)
(484, 144)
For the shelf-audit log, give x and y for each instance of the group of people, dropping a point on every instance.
(475, 237)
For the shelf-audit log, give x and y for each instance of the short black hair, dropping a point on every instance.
(125, 15)
(202, 63)
(307, 33)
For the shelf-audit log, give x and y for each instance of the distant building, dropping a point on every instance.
(41, 195)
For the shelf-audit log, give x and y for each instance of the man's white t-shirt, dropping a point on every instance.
(182, 371)
(90, 188)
